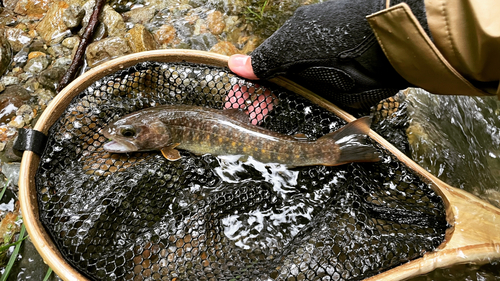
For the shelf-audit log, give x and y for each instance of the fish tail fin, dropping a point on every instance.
(360, 126)
(351, 142)
(357, 153)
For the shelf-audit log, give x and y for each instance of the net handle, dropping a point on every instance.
(474, 235)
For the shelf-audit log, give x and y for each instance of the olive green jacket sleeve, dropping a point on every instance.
(463, 57)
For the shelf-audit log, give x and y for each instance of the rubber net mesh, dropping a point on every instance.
(139, 216)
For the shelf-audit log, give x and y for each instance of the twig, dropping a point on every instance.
(84, 42)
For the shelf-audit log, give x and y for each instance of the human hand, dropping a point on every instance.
(330, 49)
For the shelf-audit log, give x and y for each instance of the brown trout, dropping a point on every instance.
(202, 130)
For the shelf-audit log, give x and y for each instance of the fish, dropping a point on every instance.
(202, 130)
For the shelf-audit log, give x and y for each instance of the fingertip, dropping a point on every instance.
(242, 66)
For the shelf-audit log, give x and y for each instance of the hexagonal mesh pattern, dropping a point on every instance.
(139, 216)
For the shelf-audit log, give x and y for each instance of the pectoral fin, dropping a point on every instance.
(171, 153)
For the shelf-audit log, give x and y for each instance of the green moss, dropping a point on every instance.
(267, 16)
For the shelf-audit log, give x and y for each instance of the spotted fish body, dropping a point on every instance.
(203, 130)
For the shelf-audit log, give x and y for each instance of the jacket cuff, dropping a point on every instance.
(412, 53)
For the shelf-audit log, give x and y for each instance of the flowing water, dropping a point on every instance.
(457, 139)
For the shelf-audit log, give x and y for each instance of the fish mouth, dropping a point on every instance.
(120, 146)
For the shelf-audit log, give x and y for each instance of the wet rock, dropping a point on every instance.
(16, 70)
(9, 225)
(200, 26)
(50, 78)
(225, 48)
(160, 4)
(215, 21)
(76, 2)
(10, 4)
(26, 113)
(250, 45)
(17, 38)
(23, 77)
(71, 42)
(165, 34)
(140, 15)
(9, 154)
(5, 55)
(32, 85)
(106, 49)
(183, 29)
(192, 17)
(51, 27)
(44, 96)
(6, 133)
(7, 17)
(9, 80)
(62, 63)
(113, 20)
(196, 3)
(203, 42)
(37, 63)
(100, 33)
(58, 51)
(34, 9)
(33, 55)
(140, 39)
(38, 46)
(73, 16)
(11, 99)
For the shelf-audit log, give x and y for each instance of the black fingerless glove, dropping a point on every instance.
(330, 49)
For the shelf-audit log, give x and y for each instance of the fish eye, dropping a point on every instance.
(128, 132)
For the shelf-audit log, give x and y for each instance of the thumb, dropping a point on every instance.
(241, 65)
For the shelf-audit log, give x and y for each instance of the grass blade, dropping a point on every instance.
(4, 189)
(5, 247)
(13, 257)
(47, 275)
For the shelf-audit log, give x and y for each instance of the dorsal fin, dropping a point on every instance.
(237, 114)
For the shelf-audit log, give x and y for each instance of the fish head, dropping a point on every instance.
(135, 134)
